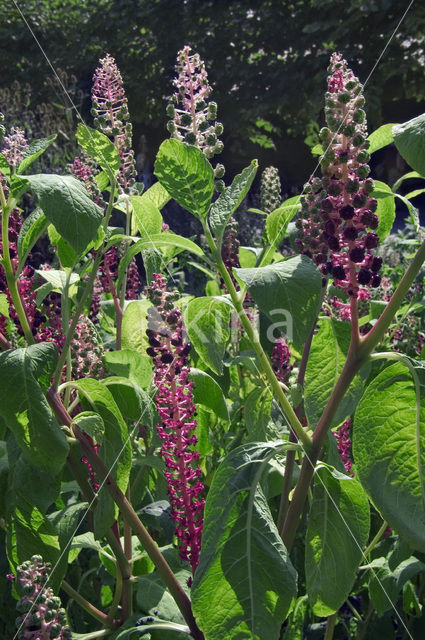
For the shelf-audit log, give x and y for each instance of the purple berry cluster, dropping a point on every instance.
(109, 273)
(87, 350)
(230, 248)
(42, 617)
(15, 146)
(343, 441)
(337, 222)
(280, 359)
(111, 116)
(193, 118)
(174, 401)
(270, 190)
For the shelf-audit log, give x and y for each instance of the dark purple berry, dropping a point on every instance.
(376, 281)
(357, 254)
(329, 227)
(327, 205)
(371, 241)
(338, 272)
(333, 243)
(374, 222)
(346, 212)
(372, 204)
(376, 264)
(350, 233)
(167, 358)
(151, 352)
(364, 276)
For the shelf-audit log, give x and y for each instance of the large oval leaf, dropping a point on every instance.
(337, 532)
(207, 324)
(389, 451)
(230, 199)
(24, 377)
(288, 293)
(184, 171)
(409, 139)
(244, 582)
(328, 353)
(68, 206)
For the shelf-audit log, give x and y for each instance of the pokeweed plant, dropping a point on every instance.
(172, 457)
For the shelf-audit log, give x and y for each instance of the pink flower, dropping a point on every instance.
(280, 360)
(15, 146)
(111, 116)
(193, 119)
(174, 401)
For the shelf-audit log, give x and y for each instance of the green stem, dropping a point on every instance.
(127, 599)
(102, 633)
(103, 618)
(9, 272)
(330, 626)
(254, 339)
(290, 455)
(358, 353)
(376, 539)
(131, 517)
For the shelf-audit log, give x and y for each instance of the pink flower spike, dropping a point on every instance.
(169, 350)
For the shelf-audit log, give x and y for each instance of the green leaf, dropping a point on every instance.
(184, 171)
(247, 257)
(409, 139)
(92, 424)
(34, 150)
(130, 364)
(207, 324)
(66, 523)
(337, 532)
(134, 403)
(381, 137)
(288, 293)
(57, 278)
(4, 165)
(207, 392)
(386, 208)
(115, 451)
(157, 195)
(166, 239)
(67, 204)
(43, 489)
(147, 217)
(385, 585)
(32, 228)
(328, 353)
(389, 451)
(134, 325)
(244, 583)
(18, 186)
(4, 305)
(230, 199)
(24, 407)
(36, 535)
(99, 148)
(277, 221)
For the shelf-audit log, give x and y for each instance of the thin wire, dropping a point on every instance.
(166, 266)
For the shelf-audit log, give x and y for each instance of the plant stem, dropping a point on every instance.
(103, 618)
(9, 272)
(330, 626)
(375, 335)
(376, 539)
(359, 351)
(253, 337)
(4, 343)
(127, 599)
(130, 516)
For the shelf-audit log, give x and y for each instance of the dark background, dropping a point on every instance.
(266, 62)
